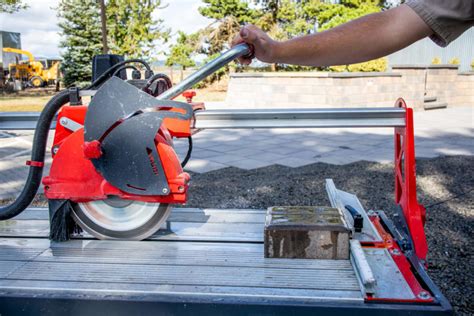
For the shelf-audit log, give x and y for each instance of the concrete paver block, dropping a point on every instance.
(294, 162)
(249, 164)
(306, 232)
(201, 165)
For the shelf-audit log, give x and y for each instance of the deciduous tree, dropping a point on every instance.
(229, 16)
(181, 53)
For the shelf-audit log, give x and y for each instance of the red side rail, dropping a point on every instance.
(405, 182)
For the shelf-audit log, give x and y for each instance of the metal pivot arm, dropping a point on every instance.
(208, 69)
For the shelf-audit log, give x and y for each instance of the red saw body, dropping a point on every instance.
(73, 176)
(114, 164)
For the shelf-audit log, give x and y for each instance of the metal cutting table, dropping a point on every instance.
(201, 261)
(206, 261)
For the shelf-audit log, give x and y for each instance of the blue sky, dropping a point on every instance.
(39, 30)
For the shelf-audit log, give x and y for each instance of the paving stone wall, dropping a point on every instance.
(323, 89)
(412, 84)
(463, 92)
(440, 82)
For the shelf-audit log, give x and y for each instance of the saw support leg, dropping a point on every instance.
(405, 182)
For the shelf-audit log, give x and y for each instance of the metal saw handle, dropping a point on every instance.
(208, 69)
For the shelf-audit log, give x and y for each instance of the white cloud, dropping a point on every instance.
(182, 15)
(40, 32)
(37, 25)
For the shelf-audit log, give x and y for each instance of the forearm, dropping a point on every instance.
(367, 38)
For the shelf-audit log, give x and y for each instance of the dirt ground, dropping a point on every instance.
(445, 188)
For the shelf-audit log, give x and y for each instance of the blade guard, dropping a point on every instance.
(128, 123)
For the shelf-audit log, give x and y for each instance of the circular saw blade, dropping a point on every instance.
(115, 218)
(125, 121)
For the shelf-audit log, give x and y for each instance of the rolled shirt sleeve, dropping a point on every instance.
(447, 18)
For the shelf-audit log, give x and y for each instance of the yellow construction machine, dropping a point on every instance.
(33, 72)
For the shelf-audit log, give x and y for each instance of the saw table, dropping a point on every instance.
(201, 261)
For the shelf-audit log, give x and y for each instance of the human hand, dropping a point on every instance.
(264, 47)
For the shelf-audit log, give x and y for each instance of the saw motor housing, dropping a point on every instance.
(124, 149)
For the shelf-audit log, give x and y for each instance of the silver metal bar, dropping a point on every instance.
(70, 124)
(390, 281)
(262, 118)
(208, 69)
(20, 121)
(300, 118)
(214, 65)
(87, 93)
(362, 267)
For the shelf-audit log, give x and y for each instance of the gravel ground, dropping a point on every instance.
(445, 188)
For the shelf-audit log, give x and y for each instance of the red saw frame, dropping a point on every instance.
(405, 182)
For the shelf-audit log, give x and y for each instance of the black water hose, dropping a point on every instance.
(188, 154)
(37, 155)
(169, 84)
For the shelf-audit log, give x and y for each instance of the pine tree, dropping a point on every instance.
(132, 32)
(80, 24)
(220, 9)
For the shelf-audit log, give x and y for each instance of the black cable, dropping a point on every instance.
(188, 155)
(37, 155)
(156, 77)
(158, 89)
(169, 84)
(107, 73)
(449, 199)
(123, 68)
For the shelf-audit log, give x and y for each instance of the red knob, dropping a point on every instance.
(189, 95)
(92, 149)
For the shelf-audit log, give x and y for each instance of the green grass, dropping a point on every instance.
(23, 103)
